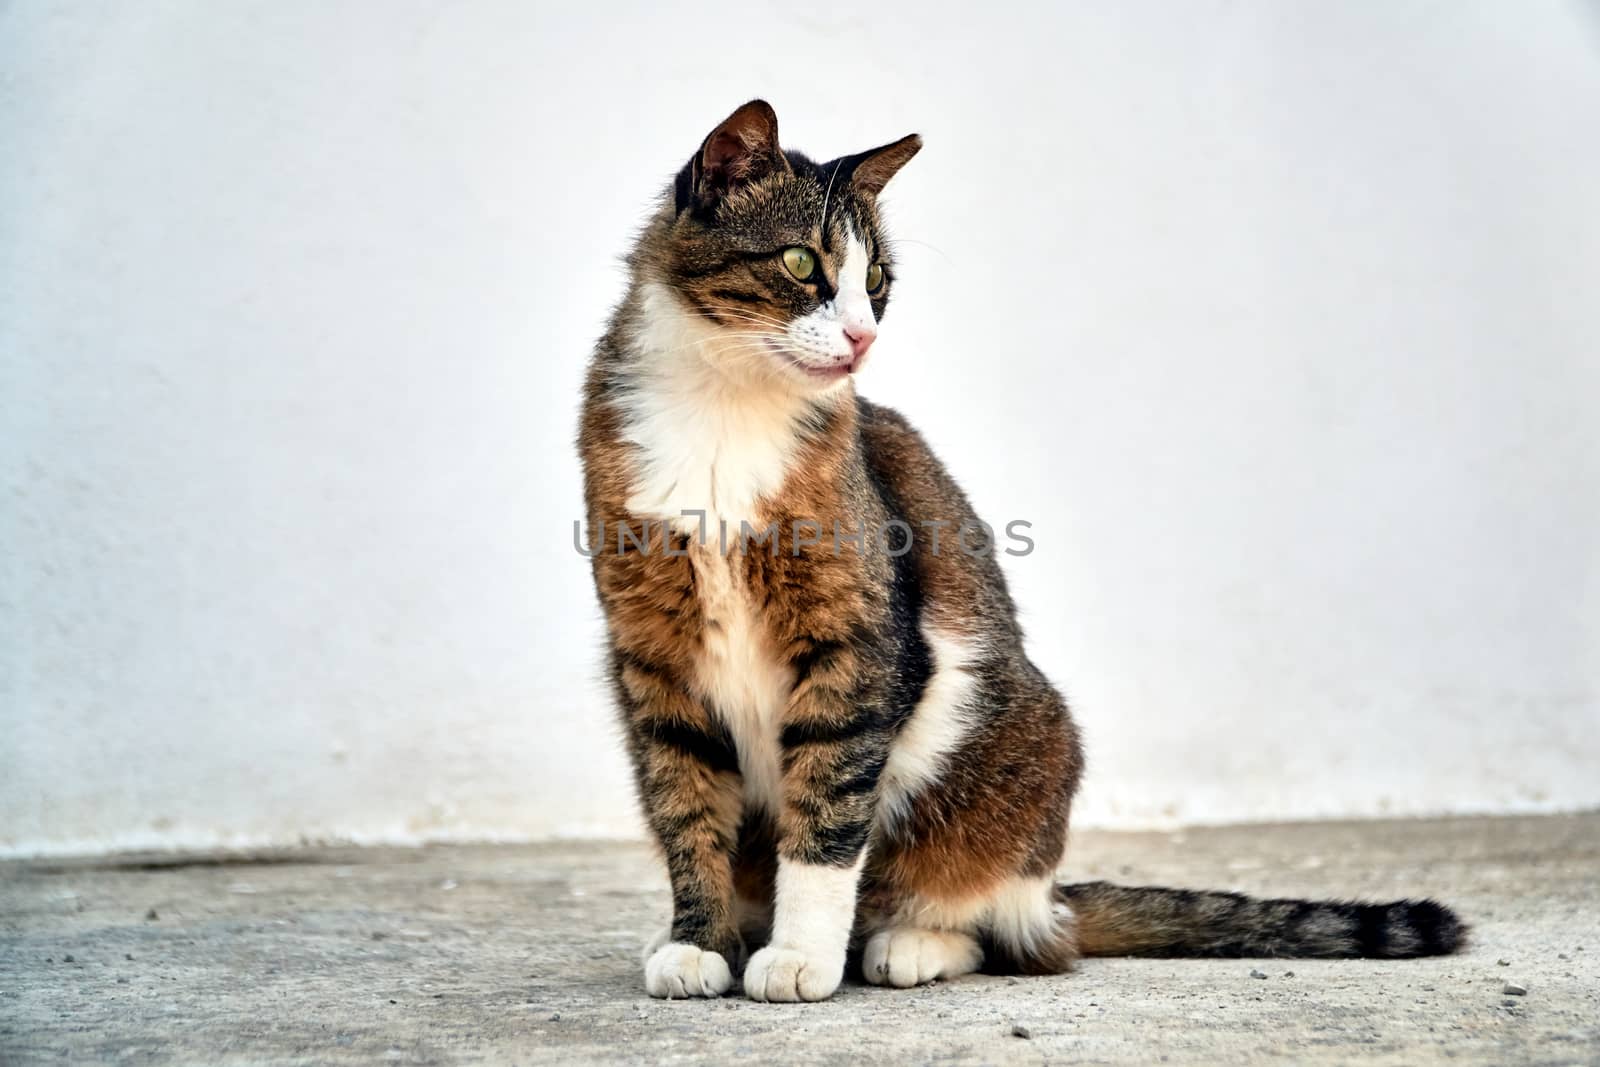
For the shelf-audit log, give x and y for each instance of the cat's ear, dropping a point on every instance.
(871, 170)
(742, 149)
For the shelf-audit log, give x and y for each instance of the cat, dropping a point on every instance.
(839, 743)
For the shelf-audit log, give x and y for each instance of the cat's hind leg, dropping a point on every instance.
(904, 956)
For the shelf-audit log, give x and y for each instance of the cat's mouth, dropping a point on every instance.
(821, 372)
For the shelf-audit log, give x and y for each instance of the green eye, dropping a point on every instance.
(801, 263)
(874, 277)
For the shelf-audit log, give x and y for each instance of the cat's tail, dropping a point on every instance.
(1115, 920)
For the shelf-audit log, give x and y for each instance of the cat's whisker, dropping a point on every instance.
(924, 244)
(822, 223)
(706, 341)
(756, 316)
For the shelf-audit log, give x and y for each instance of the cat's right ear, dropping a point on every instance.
(742, 149)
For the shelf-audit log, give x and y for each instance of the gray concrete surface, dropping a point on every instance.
(529, 954)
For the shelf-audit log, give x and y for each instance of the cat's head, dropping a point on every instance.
(785, 258)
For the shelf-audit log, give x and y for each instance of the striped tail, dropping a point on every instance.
(1117, 920)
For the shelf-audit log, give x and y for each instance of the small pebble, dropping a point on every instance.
(1562, 956)
(1257, 974)
(1503, 963)
(151, 916)
(555, 1017)
(1288, 974)
(69, 958)
(127, 955)
(1512, 989)
(122, 981)
(1021, 1031)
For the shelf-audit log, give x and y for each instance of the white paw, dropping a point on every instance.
(677, 970)
(787, 974)
(907, 956)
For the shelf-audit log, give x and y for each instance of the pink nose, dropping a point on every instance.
(860, 338)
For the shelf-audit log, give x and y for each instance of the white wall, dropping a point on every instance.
(1279, 322)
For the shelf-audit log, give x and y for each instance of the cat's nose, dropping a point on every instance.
(860, 338)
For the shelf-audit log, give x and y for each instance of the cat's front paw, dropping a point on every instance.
(676, 970)
(788, 974)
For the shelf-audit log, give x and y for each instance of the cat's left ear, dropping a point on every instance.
(871, 170)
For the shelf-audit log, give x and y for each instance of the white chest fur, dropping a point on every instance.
(715, 432)
(738, 675)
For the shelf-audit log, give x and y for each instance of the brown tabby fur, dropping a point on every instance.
(847, 627)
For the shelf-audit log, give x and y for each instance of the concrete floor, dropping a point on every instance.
(530, 954)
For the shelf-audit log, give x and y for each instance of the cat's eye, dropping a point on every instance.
(800, 262)
(875, 277)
